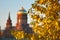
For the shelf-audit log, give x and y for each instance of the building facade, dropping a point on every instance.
(21, 24)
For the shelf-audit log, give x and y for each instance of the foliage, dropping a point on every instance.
(17, 34)
(46, 18)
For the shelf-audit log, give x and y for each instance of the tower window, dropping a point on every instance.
(19, 20)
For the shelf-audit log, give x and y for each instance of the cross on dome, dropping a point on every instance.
(22, 8)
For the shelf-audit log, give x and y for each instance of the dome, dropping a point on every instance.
(22, 10)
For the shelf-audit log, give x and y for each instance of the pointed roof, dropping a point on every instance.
(22, 10)
(9, 15)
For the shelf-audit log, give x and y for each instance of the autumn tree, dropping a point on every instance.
(46, 19)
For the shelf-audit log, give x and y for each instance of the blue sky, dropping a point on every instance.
(13, 6)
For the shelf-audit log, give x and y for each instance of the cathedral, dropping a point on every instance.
(21, 24)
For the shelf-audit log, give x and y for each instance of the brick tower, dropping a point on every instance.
(9, 23)
(21, 18)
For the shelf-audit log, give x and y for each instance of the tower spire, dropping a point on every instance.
(9, 15)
